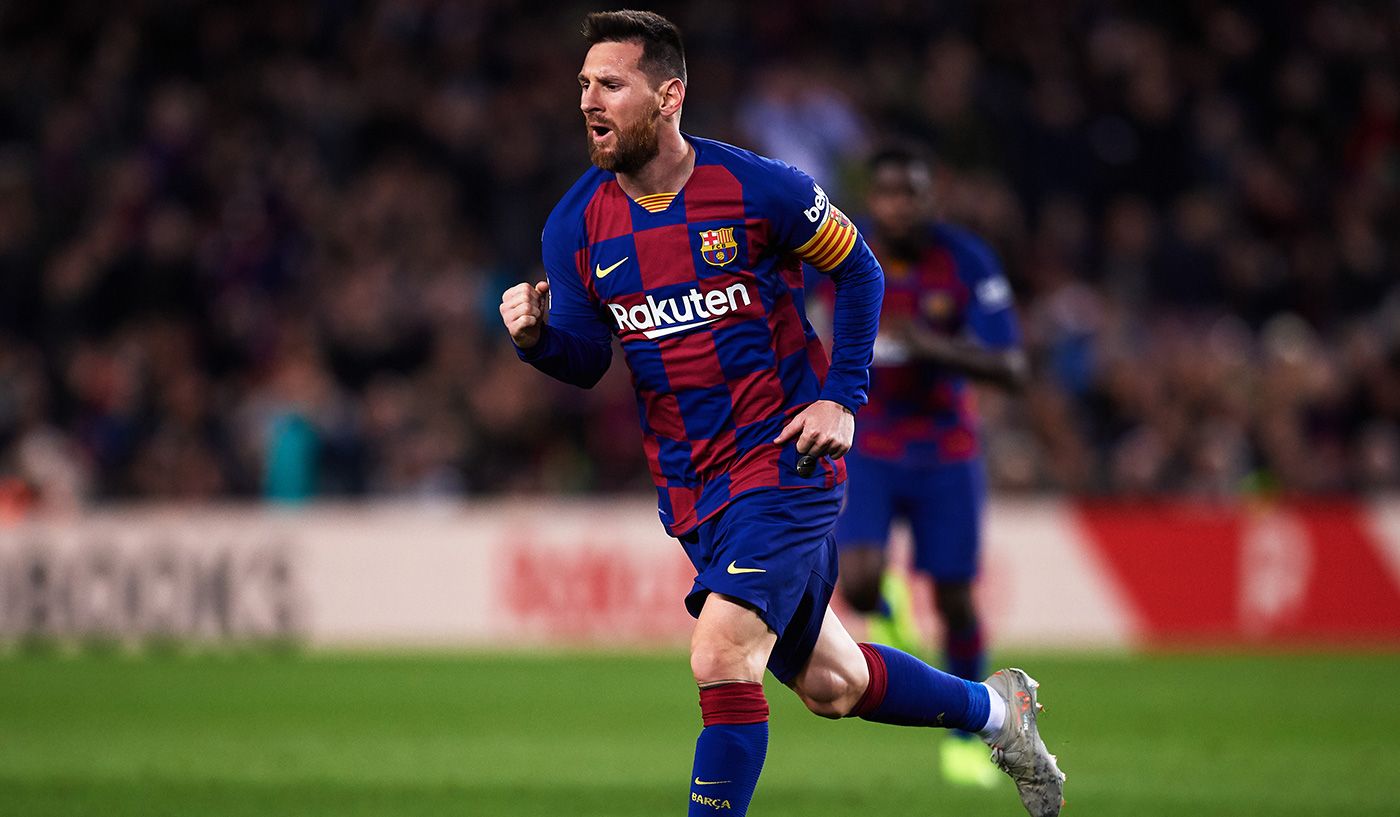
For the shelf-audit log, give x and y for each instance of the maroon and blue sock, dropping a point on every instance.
(730, 750)
(964, 656)
(964, 653)
(907, 692)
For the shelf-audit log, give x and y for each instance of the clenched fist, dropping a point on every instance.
(524, 309)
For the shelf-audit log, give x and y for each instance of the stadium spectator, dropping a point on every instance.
(246, 249)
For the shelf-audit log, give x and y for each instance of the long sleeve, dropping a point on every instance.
(855, 318)
(575, 344)
(563, 355)
(816, 231)
(991, 313)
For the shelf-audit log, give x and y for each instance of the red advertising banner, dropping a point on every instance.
(1281, 574)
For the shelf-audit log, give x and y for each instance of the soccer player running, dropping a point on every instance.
(947, 317)
(689, 251)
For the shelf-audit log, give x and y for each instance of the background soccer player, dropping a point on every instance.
(690, 252)
(947, 317)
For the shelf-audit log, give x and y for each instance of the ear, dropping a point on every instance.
(672, 96)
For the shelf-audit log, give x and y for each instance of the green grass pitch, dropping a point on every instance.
(555, 735)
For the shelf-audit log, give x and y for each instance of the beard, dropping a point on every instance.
(633, 146)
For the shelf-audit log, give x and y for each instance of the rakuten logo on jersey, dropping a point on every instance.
(657, 319)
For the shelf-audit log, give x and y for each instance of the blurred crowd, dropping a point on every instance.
(255, 248)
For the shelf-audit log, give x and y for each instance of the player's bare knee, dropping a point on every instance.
(724, 662)
(708, 665)
(860, 578)
(955, 605)
(863, 596)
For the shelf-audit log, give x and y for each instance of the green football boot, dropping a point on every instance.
(900, 629)
(962, 758)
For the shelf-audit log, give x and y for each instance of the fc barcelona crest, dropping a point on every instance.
(718, 246)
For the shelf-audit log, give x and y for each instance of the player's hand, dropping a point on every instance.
(823, 429)
(524, 310)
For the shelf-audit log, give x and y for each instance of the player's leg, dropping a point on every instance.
(963, 650)
(883, 684)
(760, 565)
(861, 533)
(882, 596)
(947, 531)
(836, 676)
(862, 564)
(879, 683)
(730, 642)
(728, 650)
(962, 757)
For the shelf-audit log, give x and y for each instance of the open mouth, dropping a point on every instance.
(599, 131)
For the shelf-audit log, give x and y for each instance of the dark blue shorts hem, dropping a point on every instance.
(773, 551)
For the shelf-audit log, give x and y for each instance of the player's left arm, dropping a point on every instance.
(820, 234)
(991, 351)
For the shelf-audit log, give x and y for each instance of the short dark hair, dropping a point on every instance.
(663, 54)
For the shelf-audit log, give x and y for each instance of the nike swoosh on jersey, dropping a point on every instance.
(700, 782)
(602, 272)
(736, 570)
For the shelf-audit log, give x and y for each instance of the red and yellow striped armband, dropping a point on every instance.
(832, 243)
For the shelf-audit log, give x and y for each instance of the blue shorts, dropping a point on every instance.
(943, 504)
(772, 549)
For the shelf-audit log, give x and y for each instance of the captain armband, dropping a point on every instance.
(833, 241)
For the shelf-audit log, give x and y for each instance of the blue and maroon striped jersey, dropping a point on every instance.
(704, 290)
(920, 413)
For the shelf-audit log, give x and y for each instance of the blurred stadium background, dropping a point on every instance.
(285, 528)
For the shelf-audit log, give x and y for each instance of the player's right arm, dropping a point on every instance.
(554, 325)
(1007, 368)
(992, 352)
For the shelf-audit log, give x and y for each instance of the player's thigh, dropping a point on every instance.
(730, 642)
(836, 675)
(946, 520)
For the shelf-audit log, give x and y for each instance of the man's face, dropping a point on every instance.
(900, 199)
(621, 109)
